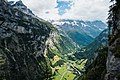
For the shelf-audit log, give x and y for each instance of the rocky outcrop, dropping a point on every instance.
(113, 60)
(22, 44)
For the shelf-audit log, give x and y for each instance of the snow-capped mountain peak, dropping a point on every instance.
(82, 32)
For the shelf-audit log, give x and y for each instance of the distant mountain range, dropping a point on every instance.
(80, 32)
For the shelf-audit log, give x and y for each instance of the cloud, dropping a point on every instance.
(88, 10)
(82, 9)
(44, 9)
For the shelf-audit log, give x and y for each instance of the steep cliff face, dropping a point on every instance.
(60, 45)
(22, 44)
(113, 60)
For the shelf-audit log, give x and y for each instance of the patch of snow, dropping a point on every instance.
(84, 25)
(74, 23)
(58, 23)
(100, 29)
(67, 22)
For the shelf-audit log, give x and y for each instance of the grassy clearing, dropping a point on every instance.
(65, 72)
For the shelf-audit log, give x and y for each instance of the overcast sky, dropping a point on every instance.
(69, 9)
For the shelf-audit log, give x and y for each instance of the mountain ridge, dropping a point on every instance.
(81, 32)
(22, 44)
